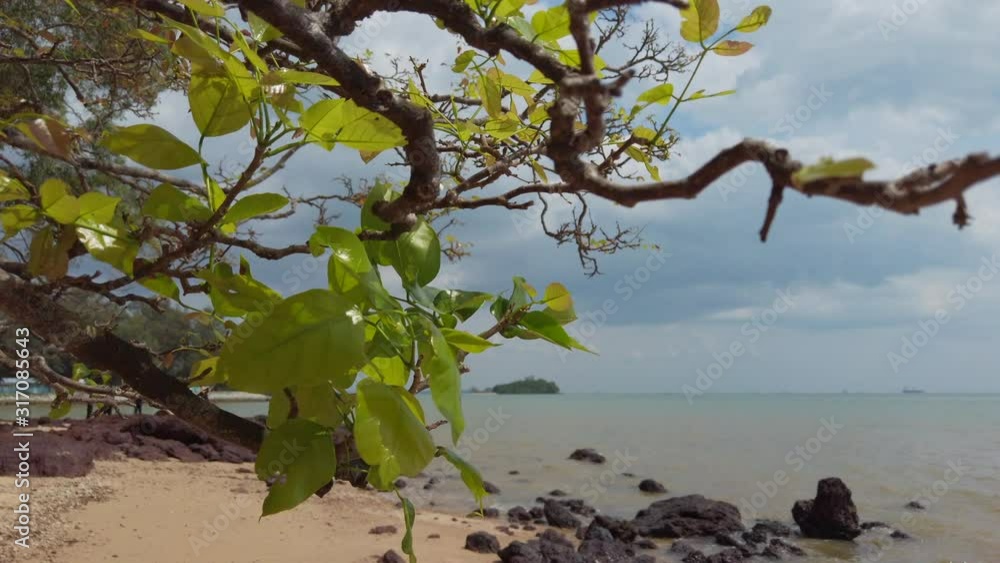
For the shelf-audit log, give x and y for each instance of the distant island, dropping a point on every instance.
(527, 386)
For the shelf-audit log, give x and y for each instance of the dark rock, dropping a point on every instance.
(727, 556)
(575, 505)
(774, 528)
(831, 515)
(691, 515)
(400, 483)
(513, 472)
(491, 488)
(643, 559)
(482, 542)
(145, 453)
(433, 536)
(537, 513)
(520, 552)
(206, 451)
(694, 557)
(900, 535)
(916, 505)
(621, 530)
(629, 475)
(556, 514)
(605, 551)
(651, 486)
(755, 536)
(682, 548)
(598, 533)
(727, 540)
(552, 536)
(528, 528)
(491, 512)
(52, 455)
(588, 455)
(781, 547)
(519, 514)
(180, 451)
(557, 493)
(645, 543)
(380, 530)
(874, 524)
(391, 557)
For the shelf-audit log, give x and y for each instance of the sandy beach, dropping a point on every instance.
(166, 512)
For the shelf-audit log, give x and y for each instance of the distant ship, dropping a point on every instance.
(912, 390)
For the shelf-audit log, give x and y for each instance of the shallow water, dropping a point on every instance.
(889, 449)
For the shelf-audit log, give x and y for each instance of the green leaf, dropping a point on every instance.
(235, 295)
(551, 24)
(381, 191)
(143, 34)
(98, 207)
(348, 264)
(49, 255)
(329, 122)
(205, 7)
(559, 303)
(108, 242)
(151, 146)
(730, 48)
(462, 61)
(12, 189)
(470, 475)
(217, 105)
(253, 206)
(661, 94)
(308, 339)
(205, 372)
(169, 203)
(489, 92)
(388, 432)
(700, 20)
(163, 285)
(701, 95)
(14, 218)
(305, 77)
(462, 304)
(60, 408)
(757, 19)
(318, 403)
(466, 341)
(544, 326)
(58, 202)
(300, 457)
(828, 168)
(441, 369)
(409, 516)
(419, 255)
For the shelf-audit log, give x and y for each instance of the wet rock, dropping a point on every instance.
(537, 513)
(145, 452)
(491, 512)
(774, 528)
(557, 493)
(491, 488)
(874, 524)
(900, 535)
(831, 515)
(520, 552)
(519, 514)
(400, 483)
(645, 543)
(727, 540)
(587, 454)
(381, 530)
(727, 556)
(482, 542)
(513, 472)
(691, 515)
(651, 486)
(621, 530)
(780, 547)
(605, 551)
(597, 533)
(391, 557)
(556, 514)
(916, 505)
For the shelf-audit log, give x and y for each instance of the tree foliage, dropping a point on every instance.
(533, 115)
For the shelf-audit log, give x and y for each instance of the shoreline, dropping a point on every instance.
(168, 511)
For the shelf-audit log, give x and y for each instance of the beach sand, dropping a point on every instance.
(169, 512)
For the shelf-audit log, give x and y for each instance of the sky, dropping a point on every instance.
(839, 298)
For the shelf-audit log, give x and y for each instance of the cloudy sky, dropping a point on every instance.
(830, 302)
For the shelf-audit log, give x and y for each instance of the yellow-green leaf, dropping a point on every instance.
(58, 202)
(305, 77)
(253, 206)
(205, 7)
(98, 207)
(700, 20)
(757, 19)
(170, 204)
(661, 94)
(14, 218)
(151, 146)
(108, 242)
(551, 24)
(217, 105)
(164, 285)
(11, 189)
